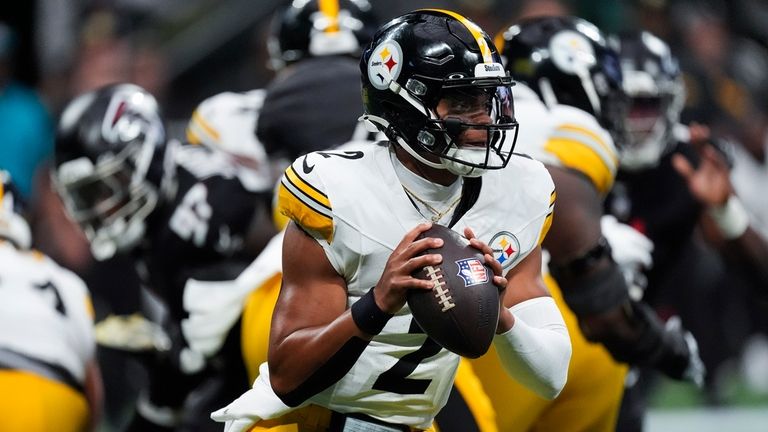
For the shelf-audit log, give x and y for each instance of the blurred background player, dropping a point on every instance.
(673, 185)
(227, 122)
(182, 212)
(571, 106)
(313, 102)
(48, 369)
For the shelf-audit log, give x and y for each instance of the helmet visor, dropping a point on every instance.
(477, 122)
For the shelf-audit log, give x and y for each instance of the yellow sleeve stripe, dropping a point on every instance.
(279, 220)
(474, 30)
(306, 216)
(89, 308)
(304, 190)
(545, 227)
(581, 157)
(606, 151)
(192, 138)
(552, 198)
(201, 128)
(330, 9)
(2, 191)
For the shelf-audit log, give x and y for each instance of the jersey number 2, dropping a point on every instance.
(395, 379)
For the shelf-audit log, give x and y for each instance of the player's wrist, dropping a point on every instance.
(506, 321)
(731, 218)
(368, 316)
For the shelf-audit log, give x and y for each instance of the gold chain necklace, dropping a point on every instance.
(437, 215)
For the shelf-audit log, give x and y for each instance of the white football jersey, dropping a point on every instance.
(45, 311)
(564, 136)
(227, 121)
(352, 202)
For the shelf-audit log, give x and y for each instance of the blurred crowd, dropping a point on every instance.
(184, 51)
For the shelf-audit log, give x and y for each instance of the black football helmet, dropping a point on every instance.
(654, 84)
(313, 28)
(13, 225)
(567, 60)
(110, 148)
(429, 55)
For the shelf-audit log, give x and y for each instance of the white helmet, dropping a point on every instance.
(13, 226)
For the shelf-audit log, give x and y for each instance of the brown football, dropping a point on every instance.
(461, 312)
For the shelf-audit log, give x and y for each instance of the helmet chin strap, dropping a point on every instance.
(418, 157)
(453, 167)
(383, 124)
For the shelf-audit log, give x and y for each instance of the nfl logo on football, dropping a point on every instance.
(472, 271)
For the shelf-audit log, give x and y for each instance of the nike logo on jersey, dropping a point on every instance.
(306, 167)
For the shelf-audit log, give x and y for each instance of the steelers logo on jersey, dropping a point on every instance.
(506, 248)
(385, 64)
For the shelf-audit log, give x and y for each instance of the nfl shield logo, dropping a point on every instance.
(472, 271)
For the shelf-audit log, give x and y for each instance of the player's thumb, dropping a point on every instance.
(682, 166)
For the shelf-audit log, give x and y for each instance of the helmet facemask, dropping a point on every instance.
(648, 132)
(475, 107)
(472, 129)
(110, 200)
(656, 98)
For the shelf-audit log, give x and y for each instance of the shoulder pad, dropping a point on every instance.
(301, 197)
(580, 143)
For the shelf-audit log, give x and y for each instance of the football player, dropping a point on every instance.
(313, 103)
(227, 122)
(314, 46)
(673, 179)
(571, 107)
(181, 212)
(48, 370)
(344, 350)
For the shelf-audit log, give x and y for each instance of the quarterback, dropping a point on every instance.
(344, 349)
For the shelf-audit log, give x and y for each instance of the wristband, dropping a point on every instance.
(732, 218)
(367, 315)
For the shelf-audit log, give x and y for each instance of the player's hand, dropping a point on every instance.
(631, 250)
(505, 316)
(406, 259)
(710, 182)
(695, 369)
(498, 278)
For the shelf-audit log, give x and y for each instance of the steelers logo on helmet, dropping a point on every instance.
(506, 248)
(572, 53)
(385, 64)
